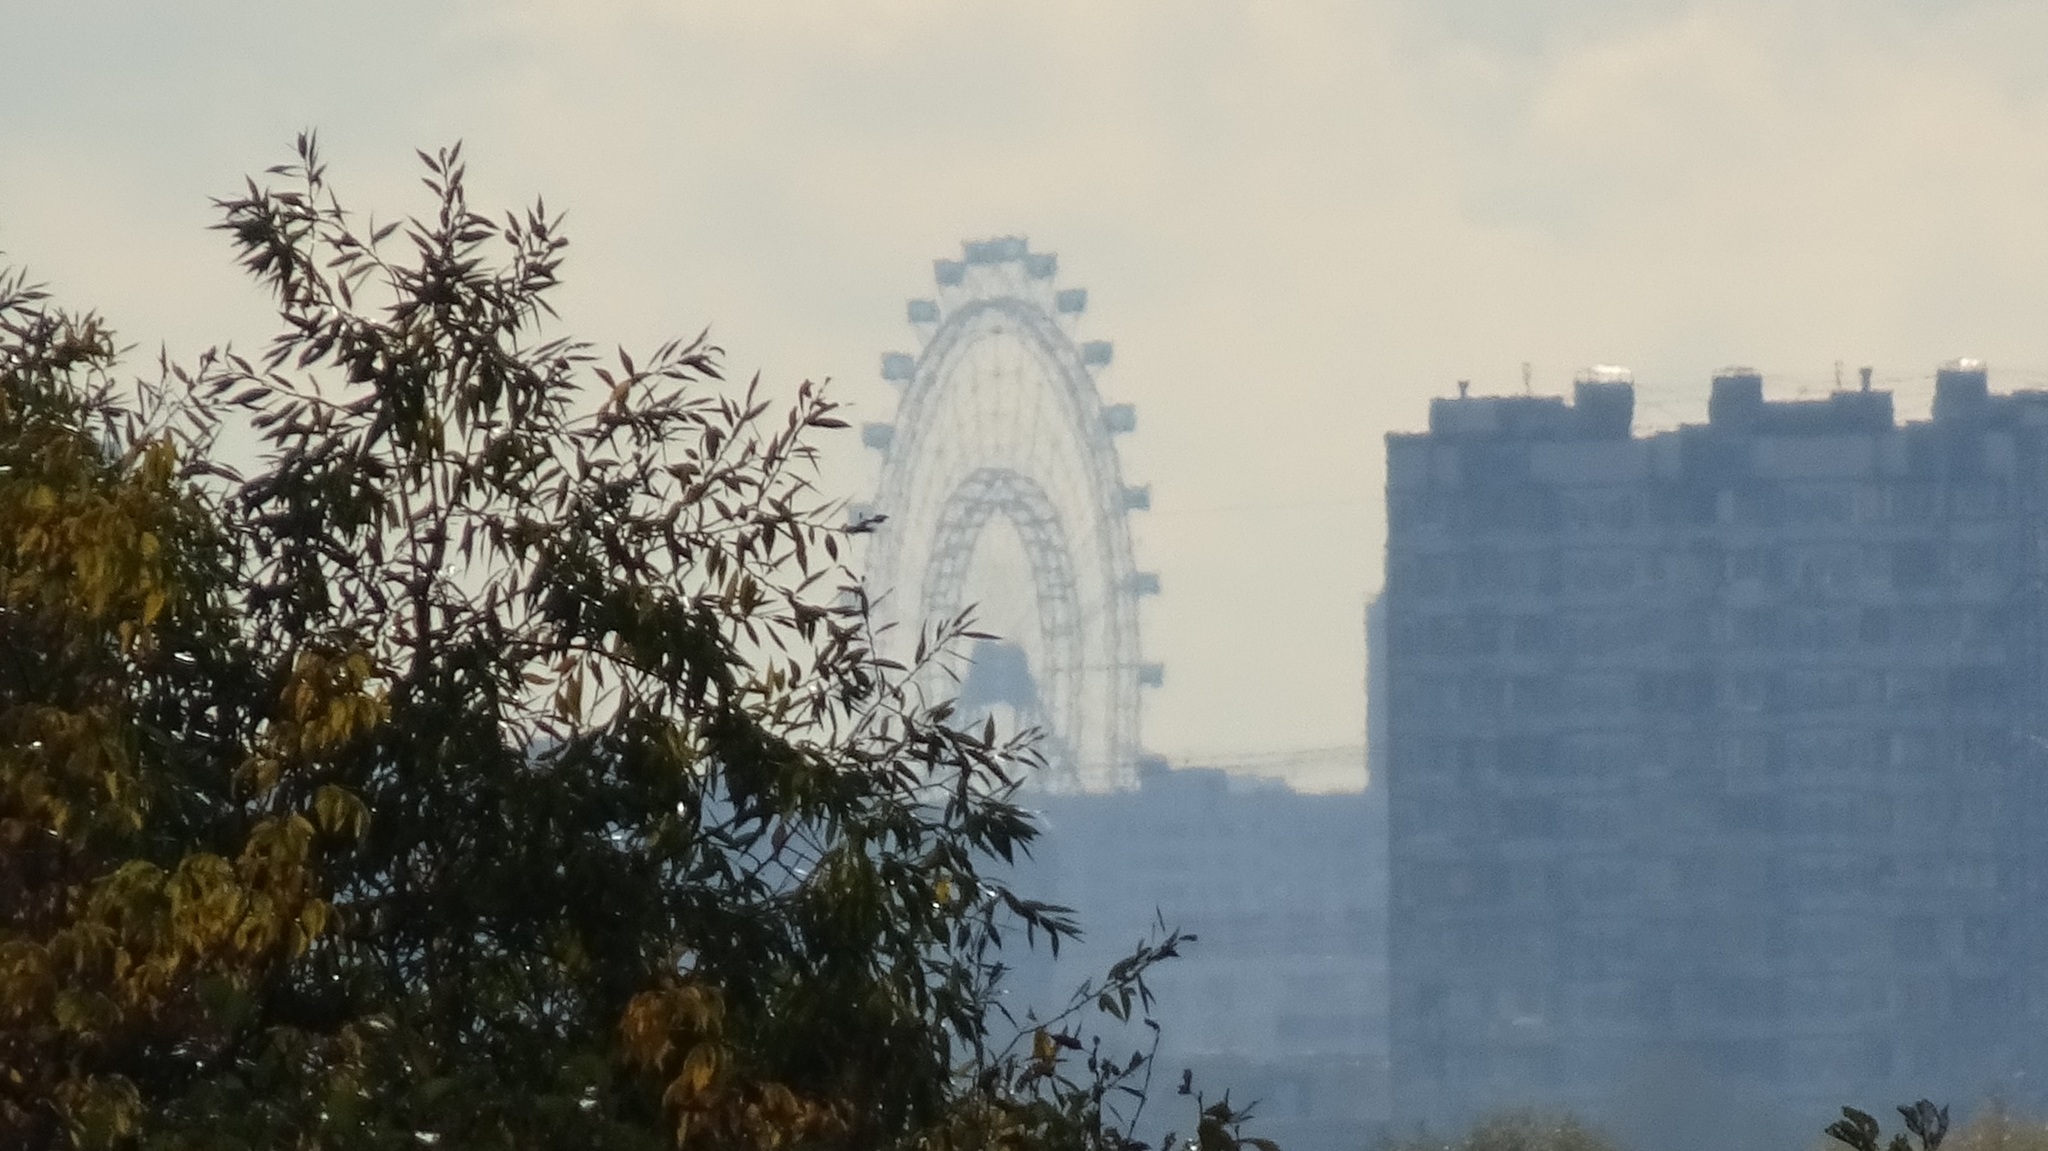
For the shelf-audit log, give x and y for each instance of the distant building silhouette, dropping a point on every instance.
(1282, 998)
(1715, 758)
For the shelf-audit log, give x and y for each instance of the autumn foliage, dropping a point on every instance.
(132, 908)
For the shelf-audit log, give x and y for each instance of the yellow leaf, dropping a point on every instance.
(313, 917)
(698, 1068)
(331, 808)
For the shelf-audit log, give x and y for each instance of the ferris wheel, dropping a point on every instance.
(1002, 493)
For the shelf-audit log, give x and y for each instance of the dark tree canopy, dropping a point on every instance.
(502, 761)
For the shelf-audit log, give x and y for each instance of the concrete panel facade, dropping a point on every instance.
(1715, 758)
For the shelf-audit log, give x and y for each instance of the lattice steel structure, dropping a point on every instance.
(1002, 492)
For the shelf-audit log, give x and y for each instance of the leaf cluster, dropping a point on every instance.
(1925, 1123)
(140, 899)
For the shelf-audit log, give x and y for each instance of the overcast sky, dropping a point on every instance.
(1297, 221)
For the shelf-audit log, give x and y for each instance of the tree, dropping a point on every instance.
(131, 911)
(520, 731)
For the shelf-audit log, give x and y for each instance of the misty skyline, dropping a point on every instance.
(1298, 222)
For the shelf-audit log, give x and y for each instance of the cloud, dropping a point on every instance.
(1298, 220)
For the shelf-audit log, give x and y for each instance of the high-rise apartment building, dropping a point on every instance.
(1717, 757)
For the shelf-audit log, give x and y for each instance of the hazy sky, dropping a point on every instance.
(1297, 221)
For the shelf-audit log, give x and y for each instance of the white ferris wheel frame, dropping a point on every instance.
(1000, 417)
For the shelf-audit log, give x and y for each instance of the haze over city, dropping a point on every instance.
(1657, 388)
(1298, 221)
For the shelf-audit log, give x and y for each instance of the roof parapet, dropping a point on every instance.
(1737, 404)
(1602, 407)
